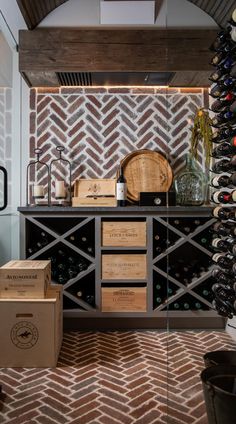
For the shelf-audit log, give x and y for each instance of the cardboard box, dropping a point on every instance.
(94, 192)
(124, 233)
(124, 266)
(57, 289)
(24, 279)
(124, 299)
(30, 331)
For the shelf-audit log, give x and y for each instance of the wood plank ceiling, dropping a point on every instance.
(35, 11)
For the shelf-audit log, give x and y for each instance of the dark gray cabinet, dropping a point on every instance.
(178, 252)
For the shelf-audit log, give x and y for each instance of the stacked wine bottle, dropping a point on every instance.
(224, 167)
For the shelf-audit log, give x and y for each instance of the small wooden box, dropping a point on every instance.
(124, 299)
(95, 192)
(124, 267)
(24, 279)
(127, 233)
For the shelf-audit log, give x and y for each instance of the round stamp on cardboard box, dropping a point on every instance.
(24, 335)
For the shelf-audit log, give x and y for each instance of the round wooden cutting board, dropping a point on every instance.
(147, 171)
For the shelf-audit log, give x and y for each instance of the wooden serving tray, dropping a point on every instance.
(146, 171)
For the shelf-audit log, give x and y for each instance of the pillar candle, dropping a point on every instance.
(38, 191)
(60, 189)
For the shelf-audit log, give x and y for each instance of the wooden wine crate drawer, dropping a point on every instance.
(124, 299)
(124, 267)
(127, 233)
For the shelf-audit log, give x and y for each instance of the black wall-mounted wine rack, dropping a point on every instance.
(224, 166)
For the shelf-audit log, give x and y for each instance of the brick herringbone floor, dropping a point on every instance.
(119, 377)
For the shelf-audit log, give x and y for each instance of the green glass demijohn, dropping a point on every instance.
(190, 184)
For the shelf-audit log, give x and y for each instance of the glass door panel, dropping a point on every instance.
(6, 142)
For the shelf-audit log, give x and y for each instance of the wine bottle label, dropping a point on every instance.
(215, 242)
(233, 196)
(215, 197)
(216, 211)
(121, 191)
(215, 182)
(217, 256)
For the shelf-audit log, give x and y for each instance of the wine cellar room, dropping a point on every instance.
(117, 211)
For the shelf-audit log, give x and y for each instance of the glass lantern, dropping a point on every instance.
(60, 180)
(37, 184)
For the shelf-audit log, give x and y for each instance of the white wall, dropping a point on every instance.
(173, 13)
(9, 218)
(11, 13)
(6, 64)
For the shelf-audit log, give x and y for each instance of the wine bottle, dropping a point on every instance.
(72, 271)
(222, 309)
(223, 134)
(222, 37)
(219, 91)
(221, 197)
(222, 118)
(31, 250)
(176, 305)
(197, 305)
(205, 293)
(223, 260)
(221, 277)
(223, 149)
(223, 245)
(62, 279)
(121, 188)
(88, 298)
(224, 180)
(83, 290)
(224, 292)
(223, 103)
(219, 57)
(227, 62)
(81, 265)
(224, 213)
(223, 165)
(224, 229)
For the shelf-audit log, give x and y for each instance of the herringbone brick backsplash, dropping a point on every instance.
(99, 126)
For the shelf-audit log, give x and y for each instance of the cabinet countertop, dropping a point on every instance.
(134, 209)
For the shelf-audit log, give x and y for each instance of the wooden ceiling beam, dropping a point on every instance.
(57, 49)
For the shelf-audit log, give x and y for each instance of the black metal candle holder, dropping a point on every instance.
(63, 193)
(38, 189)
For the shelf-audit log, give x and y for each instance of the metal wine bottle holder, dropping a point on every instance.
(66, 162)
(38, 190)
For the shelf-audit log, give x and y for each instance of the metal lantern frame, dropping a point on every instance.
(34, 163)
(60, 149)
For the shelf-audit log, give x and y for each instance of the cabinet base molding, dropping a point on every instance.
(103, 324)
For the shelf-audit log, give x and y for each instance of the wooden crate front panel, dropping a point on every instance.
(124, 234)
(124, 267)
(124, 299)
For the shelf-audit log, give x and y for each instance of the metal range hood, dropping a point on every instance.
(114, 78)
(53, 57)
